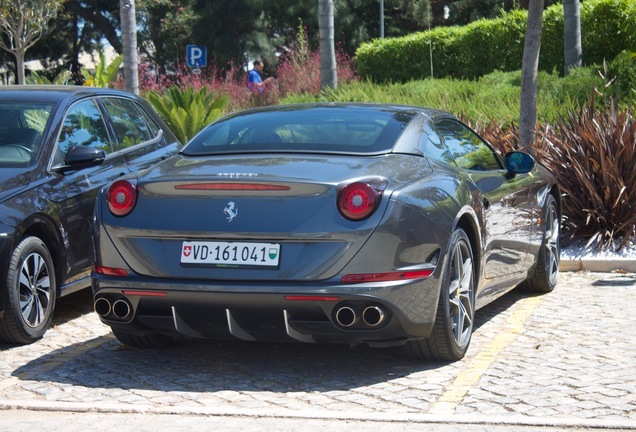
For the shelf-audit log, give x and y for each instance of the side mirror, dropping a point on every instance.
(81, 157)
(518, 162)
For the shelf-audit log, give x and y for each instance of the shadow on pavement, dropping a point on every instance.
(212, 365)
(73, 306)
(67, 309)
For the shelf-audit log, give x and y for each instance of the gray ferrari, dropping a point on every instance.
(342, 223)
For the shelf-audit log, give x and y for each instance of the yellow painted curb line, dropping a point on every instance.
(479, 364)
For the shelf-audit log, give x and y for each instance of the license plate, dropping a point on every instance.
(230, 253)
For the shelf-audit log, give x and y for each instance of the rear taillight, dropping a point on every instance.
(358, 200)
(122, 197)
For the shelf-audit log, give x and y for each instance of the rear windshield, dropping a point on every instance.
(348, 130)
(21, 129)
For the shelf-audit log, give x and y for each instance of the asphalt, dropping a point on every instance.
(561, 361)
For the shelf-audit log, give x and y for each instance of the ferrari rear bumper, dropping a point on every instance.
(352, 314)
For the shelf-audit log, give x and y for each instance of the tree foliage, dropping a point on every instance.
(240, 30)
(105, 73)
(22, 23)
(81, 26)
(237, 31)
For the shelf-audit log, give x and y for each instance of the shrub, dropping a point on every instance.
(487, 45)
(494, 96)
(592, 155)
(187, 111)
(297, 74)
(623, 71)
(105, 74)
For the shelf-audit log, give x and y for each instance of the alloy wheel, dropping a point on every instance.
(461, 295)
(35, 290)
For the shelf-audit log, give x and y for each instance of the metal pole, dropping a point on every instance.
(382, 19)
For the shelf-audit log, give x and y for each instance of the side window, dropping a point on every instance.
(128, 122)
(469, 151)
(433, 147)
(83, 126)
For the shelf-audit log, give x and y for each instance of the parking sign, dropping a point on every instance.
(196, 56)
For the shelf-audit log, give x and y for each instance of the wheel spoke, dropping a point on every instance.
(552, 245)
(26, 307)
(25, 280)
(38, 266)
(38, 312)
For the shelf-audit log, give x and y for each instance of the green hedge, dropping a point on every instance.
(484, 46)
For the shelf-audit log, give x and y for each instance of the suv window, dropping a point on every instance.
(21, 127)
(83, 126)
(129, 122)
(469, 151)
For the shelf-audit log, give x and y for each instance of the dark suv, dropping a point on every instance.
(58, 147)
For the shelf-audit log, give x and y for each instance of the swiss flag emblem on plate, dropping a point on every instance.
(187, 250)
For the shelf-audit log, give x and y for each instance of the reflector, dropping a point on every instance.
(109, 271)
(386, 277)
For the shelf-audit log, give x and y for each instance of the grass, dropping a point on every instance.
(492, 98)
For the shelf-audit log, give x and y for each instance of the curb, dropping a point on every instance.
(406, 418)
(598, 265)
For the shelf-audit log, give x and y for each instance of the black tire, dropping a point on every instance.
(30, 292)
(455, 317)
(545, 275)
(147, 340)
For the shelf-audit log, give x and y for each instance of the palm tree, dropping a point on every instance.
(129, 44)
(328, 73)
(530, 75)
(572, 34)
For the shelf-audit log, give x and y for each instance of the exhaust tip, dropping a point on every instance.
(102, 307)
(373, 316)
(122, 309)
(346, 316)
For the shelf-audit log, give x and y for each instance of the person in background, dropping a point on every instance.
(254, 80)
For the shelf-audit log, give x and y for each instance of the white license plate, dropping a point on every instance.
(230, 253)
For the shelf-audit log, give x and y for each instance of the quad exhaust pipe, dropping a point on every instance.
(120, 309)
(373, 316)
(102, 306)
(348, 316)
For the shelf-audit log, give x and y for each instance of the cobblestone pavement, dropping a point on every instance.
(566, 359)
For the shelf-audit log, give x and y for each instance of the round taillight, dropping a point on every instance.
(358, 200)
(122, 197)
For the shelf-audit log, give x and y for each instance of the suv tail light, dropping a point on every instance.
(122, 197)
(359, 200)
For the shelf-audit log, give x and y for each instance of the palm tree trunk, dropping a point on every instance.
(328, 72)
(572, 35)
(129, 43)
(530, 75)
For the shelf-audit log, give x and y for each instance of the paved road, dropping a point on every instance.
(566, 360)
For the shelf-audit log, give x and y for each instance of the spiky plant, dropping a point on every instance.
(592, 154)
(187, 111)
